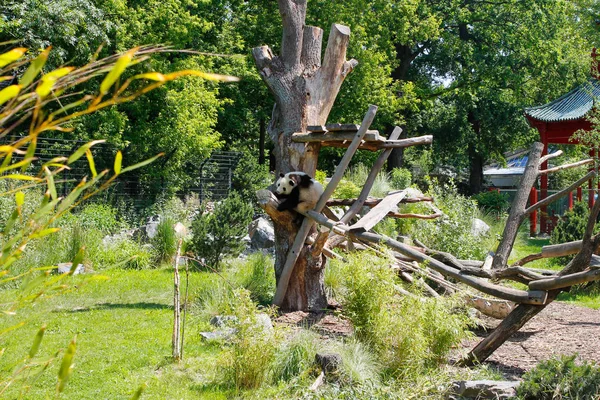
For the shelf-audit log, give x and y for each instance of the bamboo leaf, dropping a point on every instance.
(44, 232)
(21, 163)
(114, 74)
(9, 92)
(91, 162)
(77, 259)
(153, 76)
(37, 341)
(81, 151)
(11, 56)
(35, 67)
(12, 328)
(20, 177)
(66, 367)
(143, 163)
(50, 182)
(138, 393)
(19, 198)
(30, 152)
(11, 221)
(205, 75)
(47, 83)
(118, 161)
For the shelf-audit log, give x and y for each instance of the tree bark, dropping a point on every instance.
(304, 88)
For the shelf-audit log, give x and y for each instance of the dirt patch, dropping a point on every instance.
(559, 329)
(326, 324)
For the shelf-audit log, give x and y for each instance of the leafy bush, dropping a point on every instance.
(320, 176)
(572, 225)
(406, 333)
(220, 232)
(261, 279)
(560, 378)
(360, 365)
(358, 175)
(177, 209)
(493, 201)
(346, 190)
(165, 241)
(98, 216)
(452, 232)
(400, 178)
(249, 176)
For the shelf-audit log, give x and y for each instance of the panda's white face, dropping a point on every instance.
(285, 185)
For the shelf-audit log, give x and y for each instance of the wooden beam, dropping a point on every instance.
(370, 136)
(415, 141)
(372, 201)
(366, 189)
(567, 166)
(560, 282)
(379, 212)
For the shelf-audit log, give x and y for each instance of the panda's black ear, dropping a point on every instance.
(281, 175)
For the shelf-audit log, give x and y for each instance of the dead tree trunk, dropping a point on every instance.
(304, 89)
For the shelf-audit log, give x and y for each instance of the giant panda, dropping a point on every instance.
(298, 191)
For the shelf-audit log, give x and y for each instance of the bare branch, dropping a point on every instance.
(560, 194)
(567, 166)
(550, 156)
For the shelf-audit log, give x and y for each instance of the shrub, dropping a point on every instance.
(346, 190)
(493, 201)
(400, 178)
(177, 209)
(360, 364)
(220, 232)
(98, 216)
(249, 176)
(406, 333)
(452, 231)
(560, 378)
(261, 280)
(248, 359)
(320, 176)
(572, 225)
(358, 175)
(165, 241)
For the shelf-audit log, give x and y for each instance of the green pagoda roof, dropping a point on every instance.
(571, 106)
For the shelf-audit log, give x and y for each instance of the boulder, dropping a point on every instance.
(479, 228)
(483, 389)
(180, 230)
(330, 363)
(262, 234)
(220, 334)
(66, 267)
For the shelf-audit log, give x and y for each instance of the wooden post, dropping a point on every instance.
(591, 185)
(579, 193)
(176, 342)
(533, 198)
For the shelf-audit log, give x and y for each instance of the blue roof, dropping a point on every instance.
(571, 106)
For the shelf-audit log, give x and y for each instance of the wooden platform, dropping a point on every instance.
(341, 135)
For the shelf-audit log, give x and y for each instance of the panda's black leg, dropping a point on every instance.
(285, 205)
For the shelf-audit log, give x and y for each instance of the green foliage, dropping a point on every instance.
(400, 178)
(320, 176)
(219, 233)
(247, 361)
(572, 225)
(295, 357)
(358, 175)
(407, 334)
(261, 279)
(560, 378)
(360, 365)
(249, 177)
(452, 232)
(346, 190)
(177, 209)
(165, 241)
(492, 201)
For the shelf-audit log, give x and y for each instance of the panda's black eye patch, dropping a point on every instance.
(291, 183)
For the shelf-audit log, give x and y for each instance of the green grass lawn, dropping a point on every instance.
(123, 327)
(524, 245)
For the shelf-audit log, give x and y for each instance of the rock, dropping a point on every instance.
(484, 389)
(223, 320)
(66, 267)
(262, 234)
(220, 334)
(479, 228)
(329, 363)
(263, 320)
(180, 230)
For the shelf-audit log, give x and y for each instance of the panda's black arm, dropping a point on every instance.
(290, 202)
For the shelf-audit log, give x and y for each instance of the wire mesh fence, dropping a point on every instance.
(212, 182)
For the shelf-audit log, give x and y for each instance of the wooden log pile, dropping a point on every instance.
(434, 271)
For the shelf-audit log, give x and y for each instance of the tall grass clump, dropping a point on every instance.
(247, 360)
(408, 334)
(296, 357)
(165, 241)
(256, 275)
